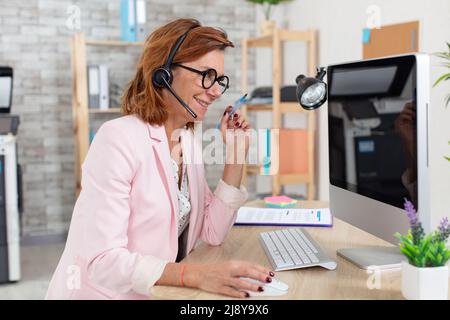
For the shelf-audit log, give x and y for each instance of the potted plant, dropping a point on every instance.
(445, 76)
(267, 26)
(425, 274)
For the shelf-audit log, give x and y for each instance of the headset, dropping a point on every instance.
(163, 77)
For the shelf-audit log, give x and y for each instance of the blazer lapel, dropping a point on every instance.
(196, 191)
(162, 156)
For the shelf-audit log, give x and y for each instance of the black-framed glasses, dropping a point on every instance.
(209, 77)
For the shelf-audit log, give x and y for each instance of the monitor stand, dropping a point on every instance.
(373, 257)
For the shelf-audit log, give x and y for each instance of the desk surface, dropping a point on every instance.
(345, 282)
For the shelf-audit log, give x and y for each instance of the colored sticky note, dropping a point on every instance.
(366, 35)
(276, 199)
(280, 202)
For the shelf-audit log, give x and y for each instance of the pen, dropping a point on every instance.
(236, 106)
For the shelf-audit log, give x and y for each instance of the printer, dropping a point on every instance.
(263, 95)
(10, 183)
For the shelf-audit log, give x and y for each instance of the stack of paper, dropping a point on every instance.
(284, 217)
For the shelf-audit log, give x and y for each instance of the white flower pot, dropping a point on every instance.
(424, 283)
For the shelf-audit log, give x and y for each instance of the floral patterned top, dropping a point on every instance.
(184, 203)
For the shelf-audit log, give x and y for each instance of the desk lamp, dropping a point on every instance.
(311, 92)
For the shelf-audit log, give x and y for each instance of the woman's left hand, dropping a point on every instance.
(238, 128)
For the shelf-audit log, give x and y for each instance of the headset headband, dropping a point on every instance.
(175, 48)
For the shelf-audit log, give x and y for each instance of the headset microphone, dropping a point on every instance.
(162, 77)
(193, 114)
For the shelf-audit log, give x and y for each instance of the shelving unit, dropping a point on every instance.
(80, 106)
(275, 41)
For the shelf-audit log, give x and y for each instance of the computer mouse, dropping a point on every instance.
(331, 265)
(271, 289)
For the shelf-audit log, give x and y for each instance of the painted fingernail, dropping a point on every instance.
(225, 112)
(268, 279)
(235, 115)
(260, 289)
(271, 274)
(247, 295)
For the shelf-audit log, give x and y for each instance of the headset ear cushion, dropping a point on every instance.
(161, 74)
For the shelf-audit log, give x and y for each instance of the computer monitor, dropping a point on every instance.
(378, 149)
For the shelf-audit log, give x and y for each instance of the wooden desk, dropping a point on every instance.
(345, 282)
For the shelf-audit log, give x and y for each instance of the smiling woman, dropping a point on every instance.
(144, 203)
(202, 45)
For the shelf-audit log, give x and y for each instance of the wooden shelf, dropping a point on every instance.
(275, 41)
(253, 169)
(285, 107)
(290, 35)
(110, 110)
(80, 101)
(113, 43)
(264, 41)
(294, 178)
(283, 35)
(285, 179)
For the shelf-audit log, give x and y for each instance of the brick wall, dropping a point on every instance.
(34, 40)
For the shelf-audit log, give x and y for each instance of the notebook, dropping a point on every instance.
(318, 217)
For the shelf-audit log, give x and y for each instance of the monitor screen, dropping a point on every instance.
(5, 92)
(352, 82)
(372, 129)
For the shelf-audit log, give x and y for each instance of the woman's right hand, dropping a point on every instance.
(224, 278)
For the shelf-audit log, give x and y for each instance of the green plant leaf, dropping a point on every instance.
(271, 2)
(446, 256)
(447, 100)
(407, 253)
(432, 259)
(445, 76)
(423, 261)
(407, 239)
(448, 158)
(426, 242)
(414, 250)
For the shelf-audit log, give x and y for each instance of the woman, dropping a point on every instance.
(144, 201)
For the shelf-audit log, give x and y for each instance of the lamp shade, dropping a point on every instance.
(311, 92)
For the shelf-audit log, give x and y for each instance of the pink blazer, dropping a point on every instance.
(124, 225)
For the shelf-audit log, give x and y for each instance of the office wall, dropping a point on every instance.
(340, 25)
(34, 39)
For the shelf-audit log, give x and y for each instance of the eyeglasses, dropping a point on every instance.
(209, 77)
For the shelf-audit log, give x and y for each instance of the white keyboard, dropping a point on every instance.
(294, 248)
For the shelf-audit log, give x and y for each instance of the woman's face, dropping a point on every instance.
(188, 85)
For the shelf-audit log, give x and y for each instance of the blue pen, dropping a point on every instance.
(236, 106)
